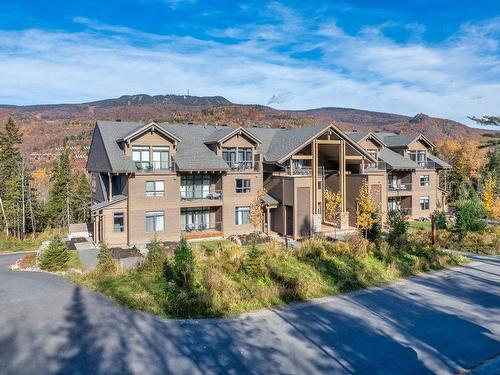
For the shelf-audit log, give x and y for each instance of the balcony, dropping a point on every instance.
(215, 195)
(379, 166)
(406, 211)
(155, 166)
(300, 171)
(243, 166)
(427, 164)
(399, 187)
(202, 230)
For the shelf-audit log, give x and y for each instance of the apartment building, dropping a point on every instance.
(171, 180)
(406, 176)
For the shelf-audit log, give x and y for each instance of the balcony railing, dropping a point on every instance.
(202, 227)
(244, 166)
(300, 171)
(379, 166)
(155, 166)
(402, 186)
(215, 195)
(427, 164)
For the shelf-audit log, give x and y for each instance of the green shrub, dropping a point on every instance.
(184, 265)
(105, 263)
(440, 217)
(254, 264)
(56, 257)
(470, 215)
(374, 234)
(358, 245)
(398, 230)
(155, 259)
(312, 248)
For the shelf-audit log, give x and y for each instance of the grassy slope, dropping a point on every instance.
(223, 289)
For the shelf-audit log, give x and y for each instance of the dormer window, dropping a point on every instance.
(417, 156)
(240, 158)
(161, 157)
(140, 155)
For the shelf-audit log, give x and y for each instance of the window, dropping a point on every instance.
(155, 221)
(229, 155)
(392, 205)
(155, 188)
(372, 153)
(118, 222)
(242, 215)
(195, 219)
(393, 181)
(160, 157)
(195, 186)
(243, 186)
(140, 155)
(421, 156)
(424, 203)
(425, 180)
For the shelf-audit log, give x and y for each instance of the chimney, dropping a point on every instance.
(377, 131)
(118, 120)
(354, 130)
(224, 124)
(282, 127)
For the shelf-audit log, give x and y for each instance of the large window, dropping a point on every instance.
(195, 186)
(424, 203)
(243, 185)
(140, 155)
(195, 219)
(155, 221)
(425, 180)
(242, 215)
(238, 157)
(392, 204)
(118, 222)
(418, 156)
(229, 155)
(155, 188)
(160, 157)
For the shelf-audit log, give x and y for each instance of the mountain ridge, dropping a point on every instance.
(50, 125)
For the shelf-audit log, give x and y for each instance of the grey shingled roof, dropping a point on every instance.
(111, 131)
(438, 161)
(104, 204)
(357, 136)
(395, 160)
(192, 153)
(218, 134)
(399, 140)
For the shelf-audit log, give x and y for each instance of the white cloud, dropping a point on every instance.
(454, 79)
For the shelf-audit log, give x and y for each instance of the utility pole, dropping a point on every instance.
(33, 225)
(4, 218)
(23, 232)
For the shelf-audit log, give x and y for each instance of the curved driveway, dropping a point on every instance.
(445, 322)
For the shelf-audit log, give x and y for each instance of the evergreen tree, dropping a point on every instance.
(398, 230)
(184, 265)
(105, 263)
(14, 181)
(56, 257)
(155, 260)
(80, 198)
(57, 210)
(254, 264)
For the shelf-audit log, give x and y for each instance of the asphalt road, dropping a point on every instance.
(445, 322)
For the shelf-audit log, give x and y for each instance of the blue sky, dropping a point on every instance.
(437, 57)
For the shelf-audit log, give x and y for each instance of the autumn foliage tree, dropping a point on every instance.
(366, 209)
(256, 215)
(491, 202)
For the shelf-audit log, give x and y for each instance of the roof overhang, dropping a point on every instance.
(150, 126)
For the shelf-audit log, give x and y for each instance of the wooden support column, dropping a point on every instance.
(342, 174)
(268, 219)
(110, 188)
(315, 176)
